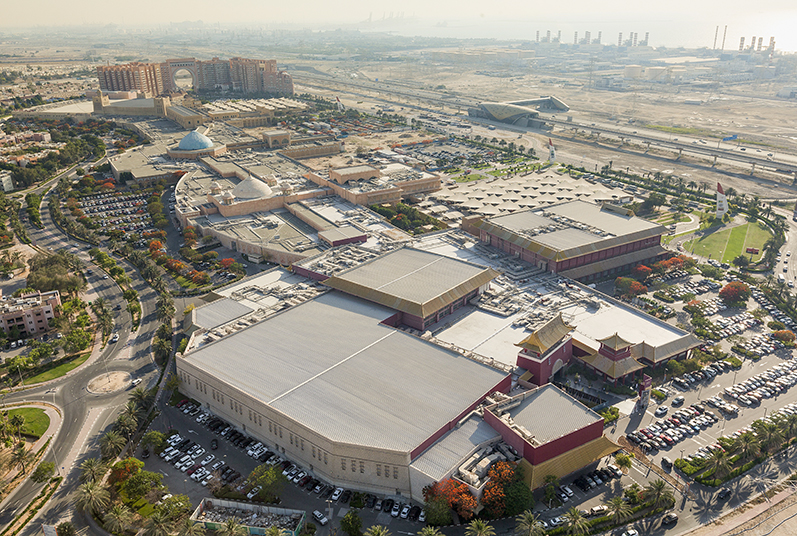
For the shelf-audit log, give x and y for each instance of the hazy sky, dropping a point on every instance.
(670, 22)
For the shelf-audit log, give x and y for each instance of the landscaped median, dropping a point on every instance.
(32, 509)
(735, 457)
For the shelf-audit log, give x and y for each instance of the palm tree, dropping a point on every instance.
(187, 527)
(132, 410)
(17, 421)
(20, 458)
(477, 527)
(92, 497)
(111, 444)
(528, 524)
(230, 528)
(659, 493)
(619, 510)
(623, 462)
(125, 424)
(117, 518)
(769, 435)
(159, 524)
(274, 530)
(575, 523)
(163, 347)
(164, 311)
(105, 322)
(91, 470)
(141, 397)
(377, 530)
(433, 531)
(789, 426)
(720, 462)
(747, 445)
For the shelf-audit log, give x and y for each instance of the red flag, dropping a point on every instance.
(719, 189)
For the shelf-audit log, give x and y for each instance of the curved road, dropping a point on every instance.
(86, 416)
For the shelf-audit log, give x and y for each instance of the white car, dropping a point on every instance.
(207, 460)
(253, 492)
(207, 479)
(199, 474)
(197, 453)
(337, 493)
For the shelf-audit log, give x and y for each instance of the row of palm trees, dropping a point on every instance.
(765, 438)
(657, 494)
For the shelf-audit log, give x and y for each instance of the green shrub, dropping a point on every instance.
(658, 395)
(734, 362)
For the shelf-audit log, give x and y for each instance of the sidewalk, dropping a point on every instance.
(52, 431)
(729, 523)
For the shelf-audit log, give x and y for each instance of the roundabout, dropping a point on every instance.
(108, 383)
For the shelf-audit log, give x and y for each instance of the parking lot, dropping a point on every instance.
(125, 212)
(237, 464)
(705, 408)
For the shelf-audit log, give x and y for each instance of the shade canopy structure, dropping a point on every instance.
(489, 211)
(472, 204)
(457, 198)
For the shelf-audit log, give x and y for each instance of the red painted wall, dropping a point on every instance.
(509, 436)
(537, 455)
(310, 274)
(503, 386)
(542, 369)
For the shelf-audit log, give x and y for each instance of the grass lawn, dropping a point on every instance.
(726, 244)
(185, 283)
(59, 371)
(36, 421)
(711, 245)
(735, 243)
(468, 178)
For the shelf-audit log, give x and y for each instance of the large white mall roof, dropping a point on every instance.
(330, 365)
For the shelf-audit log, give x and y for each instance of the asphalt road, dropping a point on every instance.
(86, 416)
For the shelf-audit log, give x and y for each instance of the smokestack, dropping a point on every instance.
(575, 38)
(538, 36)
(647, 38)
(635, 37)
(587, 38)
(548, 36)
(716, 32)
(723, 37)
(741, 44)
(600, 36)
(620, 39)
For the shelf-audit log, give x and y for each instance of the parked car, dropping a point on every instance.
(320, 518)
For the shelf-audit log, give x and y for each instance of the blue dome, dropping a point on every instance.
(195, 141)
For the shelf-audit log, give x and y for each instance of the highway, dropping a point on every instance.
(784, 163)
(86, 416)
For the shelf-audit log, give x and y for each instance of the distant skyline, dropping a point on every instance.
(671, 23)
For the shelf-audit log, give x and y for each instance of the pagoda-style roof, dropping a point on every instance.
(613, 369)
(546, 336)
(615, 342)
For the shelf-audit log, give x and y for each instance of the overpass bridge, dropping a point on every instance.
(779, 165)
